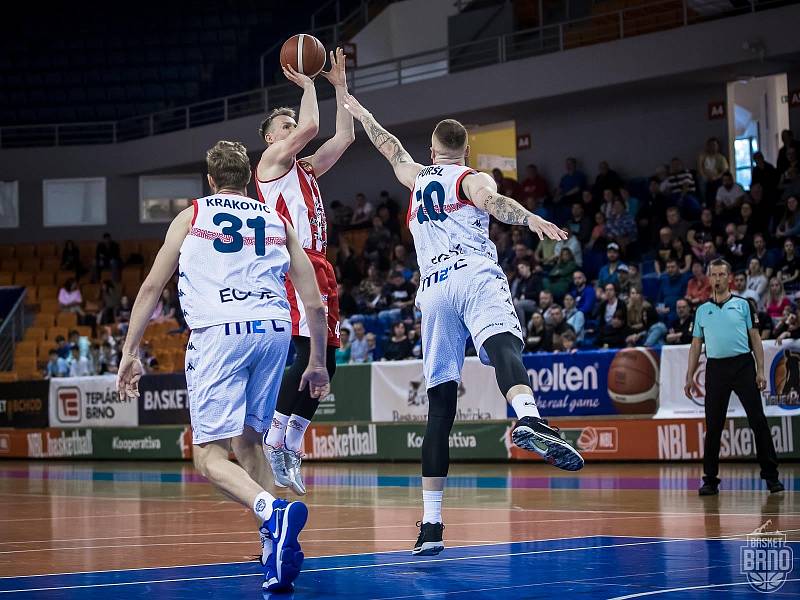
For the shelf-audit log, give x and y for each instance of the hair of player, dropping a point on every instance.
(451, 134)
(284, 111)
(229, 165)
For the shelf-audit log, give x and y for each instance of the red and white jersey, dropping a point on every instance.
(296, 196)
(233, 263)
(443, 222)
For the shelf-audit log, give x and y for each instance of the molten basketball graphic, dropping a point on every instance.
(633, 381)
(587, 440)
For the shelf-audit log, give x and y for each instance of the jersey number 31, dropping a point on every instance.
(236, 240)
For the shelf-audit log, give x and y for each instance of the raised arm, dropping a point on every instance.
(481, 189)
(282, 152)
(327, 154)
(405, 169)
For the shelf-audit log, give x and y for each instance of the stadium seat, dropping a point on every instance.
(45, 277)
(31, 264)
(52, 264)
(6, 251)
(48, 250)
(67, 319)
(31, 296)
(24, 278)
(25, 251)
(54, 332)
(48, 292)
(25, 363)
(26, 348)
(35, 333)
(6, 278)
(50, 306)
(44, 320)
(90, 291)
(8, 376)
(84, 330)
(9, 264)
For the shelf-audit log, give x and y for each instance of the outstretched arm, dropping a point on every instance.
(327, 154)
(481, 189)
(405, 169)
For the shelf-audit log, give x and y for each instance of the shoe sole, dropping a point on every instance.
(289, 557)
(555, 451)
(428, 549)
(715, 493)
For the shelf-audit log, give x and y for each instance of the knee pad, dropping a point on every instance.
(504, 353)
(442, 400)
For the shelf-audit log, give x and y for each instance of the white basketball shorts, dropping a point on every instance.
(467, 296)
(233, 375)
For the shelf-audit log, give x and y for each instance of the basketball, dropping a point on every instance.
(587, 440)
(633, 381)
(304, 53)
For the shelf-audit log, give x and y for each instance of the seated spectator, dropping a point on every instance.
(110, 296)
(545, 305)
(687, 203)
(765, 175)
(560, 276)
(706, 229)
(710, 253)
(757, 281)
(569, 342)
(579, 224)
(762, 207)
(682, 256)
(761, 252)
(631, 202)
(373, 350)
(525, 289)
(787, 137)
(788, 328)
(404, 260)
(711, 165)
(740, 288)
(359, 348)
(385, 199)
(107, 257)
(347, 268)
(606, 205)
(787, 184)
(506, 185)
(378, 244)
(398, 298)
(56, 365)
(559, 324)
(675, 222)
(607, 179)
(748, 224)
(584, 294)
(789, 267)
(642, 320)
(590, 205)
(534, 185)
(574, 317)
(78, 365)
(341, 214)
(521, 252)
(70, 299)
(654, 203)
(664, 250)
(615, 333)
(672, 286)
(71, 258)
(108, 359)
(680, 179)
(680, 330)
(393, 225)
(730, 194)
(415, 335)
(621, 225)
(545, 254)
(572, 183)
(776, 300)
(343, 351)
(625, 282)
(165, 307)
(363, 211)
(122, 315)
(573, 245)
(789, 225)
(737, 248)
(610, 305)
(599, 236)
(608, 273)
(539, 336)
(399, 346)
(698, 289)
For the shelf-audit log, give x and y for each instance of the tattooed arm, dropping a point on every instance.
(404, 166)
(481, 190)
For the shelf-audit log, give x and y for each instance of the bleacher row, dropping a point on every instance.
(37, 268)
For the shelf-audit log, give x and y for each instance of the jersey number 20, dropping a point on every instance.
(236, 243)
(426, 198)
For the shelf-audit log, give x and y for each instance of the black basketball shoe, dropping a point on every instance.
(534, 434)
(775, 486)
(429, 542)
(708, 489)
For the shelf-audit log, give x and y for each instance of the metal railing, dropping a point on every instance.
(11, 331)
(604, 27)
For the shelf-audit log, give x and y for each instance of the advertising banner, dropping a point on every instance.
(349, 397)
(163, 400)
(601, 382)
(24, 404)
(90, 402)
(781, 368)
(398, 392)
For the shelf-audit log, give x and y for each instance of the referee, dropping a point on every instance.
(727, 324)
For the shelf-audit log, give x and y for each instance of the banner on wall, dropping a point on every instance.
(781, 367)
(24, 404)
(90, 402)
(348, 400)
(398, 392)
(163, 400)
(601, 382)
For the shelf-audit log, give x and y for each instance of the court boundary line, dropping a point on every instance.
(687, 588)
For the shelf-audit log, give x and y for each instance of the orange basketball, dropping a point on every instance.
(304, 53)
(633, 381)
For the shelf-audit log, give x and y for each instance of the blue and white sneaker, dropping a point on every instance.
(271, 582)
(282, 564)
(534, 434)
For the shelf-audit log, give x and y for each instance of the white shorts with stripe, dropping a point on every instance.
(467, 296)
(233, 375)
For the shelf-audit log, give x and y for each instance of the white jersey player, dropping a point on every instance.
(463, 292)
(233, 254)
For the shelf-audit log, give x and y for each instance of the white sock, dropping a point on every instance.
(295, 430)
(525, 406)
(432, 501)
(277, 431)
(262, 505)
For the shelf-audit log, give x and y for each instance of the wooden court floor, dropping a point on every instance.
(517, 531)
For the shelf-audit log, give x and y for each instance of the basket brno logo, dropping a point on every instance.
(68, 402)
(766, 559)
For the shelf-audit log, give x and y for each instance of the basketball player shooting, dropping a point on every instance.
(290, 186)
(232, 254)
(463, 292)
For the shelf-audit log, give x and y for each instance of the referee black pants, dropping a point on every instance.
(723, 376)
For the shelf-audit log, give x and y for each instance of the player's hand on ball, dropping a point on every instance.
(336, 75)
(354, 107)
(295, 77)
(128, 376)
(547, 229)
(317, 380)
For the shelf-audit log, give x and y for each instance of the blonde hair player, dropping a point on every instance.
(289, 185)
(232, 253)
(463, 292)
